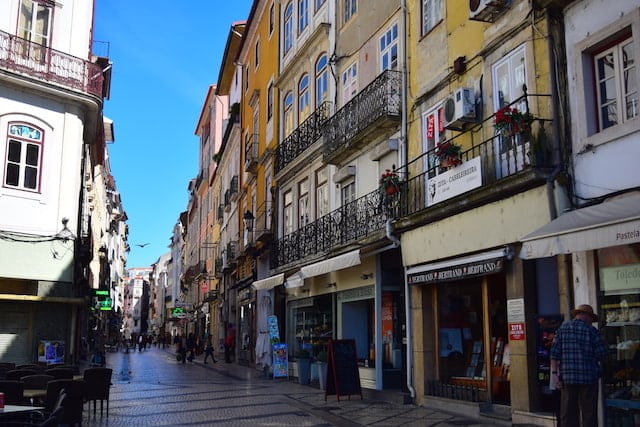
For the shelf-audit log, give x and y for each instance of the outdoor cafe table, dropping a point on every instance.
(14, 409)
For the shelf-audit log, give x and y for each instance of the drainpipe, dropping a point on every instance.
(555, 129)
(395, 240)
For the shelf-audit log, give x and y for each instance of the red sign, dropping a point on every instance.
(516, 331)
(204, 287)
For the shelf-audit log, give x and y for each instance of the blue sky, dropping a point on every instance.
(165, 55)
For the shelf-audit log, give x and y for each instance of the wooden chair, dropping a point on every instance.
(13, 391)
(98, 381)
(17, 374)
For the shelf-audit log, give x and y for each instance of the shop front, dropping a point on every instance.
(603, 242)
(246, 326)
(466, 327)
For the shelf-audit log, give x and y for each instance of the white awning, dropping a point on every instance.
(332, 264)
(269, 282)
(611, 223)
(294, 281)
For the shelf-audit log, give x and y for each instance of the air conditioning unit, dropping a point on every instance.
(486, 10)
(459, 108)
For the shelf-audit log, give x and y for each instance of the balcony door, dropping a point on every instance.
(34, 29)
(509, 75)
(433, 135)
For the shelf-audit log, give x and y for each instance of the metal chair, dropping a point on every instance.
(37, 381)
(98, 381)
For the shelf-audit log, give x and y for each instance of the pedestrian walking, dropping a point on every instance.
(229, 342)
(182, 348)
(208, 351)
(576, 355)
(191, 346)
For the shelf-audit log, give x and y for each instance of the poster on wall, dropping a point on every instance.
(51, 351)
(280, 360)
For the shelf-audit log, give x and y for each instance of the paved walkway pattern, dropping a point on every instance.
(152, 389)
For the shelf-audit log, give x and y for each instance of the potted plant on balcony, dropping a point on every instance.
(511, 121)
(389, 183)
(448, 154)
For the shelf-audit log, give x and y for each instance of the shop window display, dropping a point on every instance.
(619, 269)
(463, 341)
(312, 324)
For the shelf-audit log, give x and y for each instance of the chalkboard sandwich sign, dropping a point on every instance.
(343, 377)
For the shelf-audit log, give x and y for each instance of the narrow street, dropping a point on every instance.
(152, 389)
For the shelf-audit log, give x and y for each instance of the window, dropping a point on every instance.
(288, 114)
(616, 85)
(319, 4)
(23, 164)
(389, 49)
(303, 202)
(246, 78)
(288, 27)
(270, 101)
(287, 213)
(303, 15)
(433, 134)
(322, 81)
(349, 83)
(256, 54)
(348, 192)
(35, 22)
(272, 18)
(303, 98)
(322, 193)
(431, 14)
(350, 9)
(509, 74)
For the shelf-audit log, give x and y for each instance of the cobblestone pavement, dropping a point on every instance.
(152, 389)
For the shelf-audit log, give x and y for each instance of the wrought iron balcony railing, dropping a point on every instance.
(251, 154)
(46, 64)
(302, 137)
(376, 107)
(495, 159)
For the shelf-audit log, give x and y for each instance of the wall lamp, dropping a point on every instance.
(331, 285)
(248, 219)
(366, 276)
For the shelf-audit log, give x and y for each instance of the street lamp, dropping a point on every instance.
(248, 219)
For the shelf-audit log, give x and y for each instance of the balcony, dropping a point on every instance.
(503, 165)
(220, 213)
(302, 137)
(375, 110)
(251, 154)
(233, 188)
(219, 262)
(48, 65)
(263, 224)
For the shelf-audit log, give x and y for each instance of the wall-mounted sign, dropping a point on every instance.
(457, 272)
(455, 181)
(517, 331)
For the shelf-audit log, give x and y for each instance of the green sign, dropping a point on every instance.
(100, 293)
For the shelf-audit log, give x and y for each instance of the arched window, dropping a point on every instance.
(288, 113)
(288, 27)
(304, 109)
(322, 80)
(23, 163)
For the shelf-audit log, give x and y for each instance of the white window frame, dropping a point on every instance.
(288, 27)
(349, 82)
(350, 9)
(27, 136)
(272, 18)
(322, 80)
(270, 94)
(303, 15)
(322, 193)
(431, 14)
(287, 108)
(613, 80)
(319, 4)
(256, 54)
(389, 49)
(287, 213)
(304, 102)
(304, 216)
(28, 24)
(508, 75)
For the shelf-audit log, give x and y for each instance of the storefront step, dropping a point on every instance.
(496, 412)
